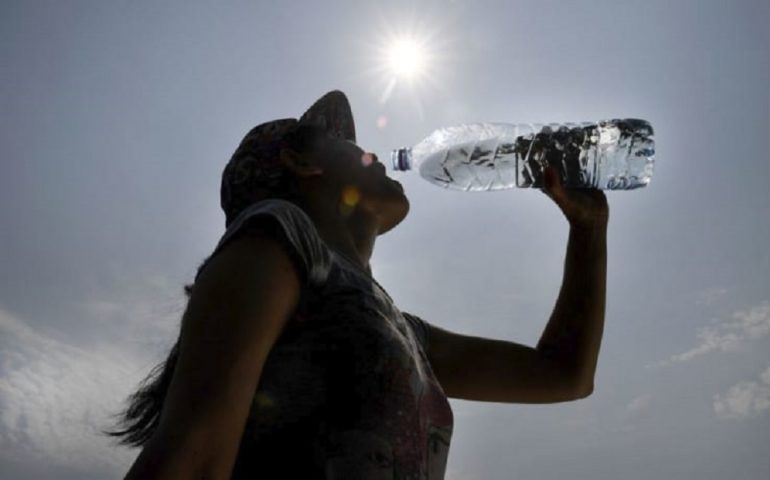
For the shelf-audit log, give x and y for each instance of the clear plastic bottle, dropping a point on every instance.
(613, 154)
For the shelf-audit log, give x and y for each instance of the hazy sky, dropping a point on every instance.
(117, 118)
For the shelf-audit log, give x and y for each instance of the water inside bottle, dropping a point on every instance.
(611, 155)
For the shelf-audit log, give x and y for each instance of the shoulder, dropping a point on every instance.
(288, 225)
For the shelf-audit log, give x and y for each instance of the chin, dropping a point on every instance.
(395, 212)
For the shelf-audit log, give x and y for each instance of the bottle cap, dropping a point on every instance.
(401, 158)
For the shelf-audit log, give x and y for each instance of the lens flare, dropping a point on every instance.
(367, 159)
(263, 400)
(350, 198)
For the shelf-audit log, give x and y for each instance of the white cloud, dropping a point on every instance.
(728, 335)
(638, 404)
(710, 296)
(627, 417)
(55, 397)
(745, 399)
(58, 389)
(710, 340)
(765, 377)
(753, 324)
(137, 311)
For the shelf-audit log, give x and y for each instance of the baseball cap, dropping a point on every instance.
(255, 172)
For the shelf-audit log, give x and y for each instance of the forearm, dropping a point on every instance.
(574, 332)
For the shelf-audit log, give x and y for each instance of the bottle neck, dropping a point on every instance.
(401, 159)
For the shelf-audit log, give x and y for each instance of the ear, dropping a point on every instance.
(299, 165)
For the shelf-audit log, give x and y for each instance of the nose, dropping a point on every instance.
(380, 166)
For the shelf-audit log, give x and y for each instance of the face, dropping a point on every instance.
(360, 178)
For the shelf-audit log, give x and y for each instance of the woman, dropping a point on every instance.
(292, 362)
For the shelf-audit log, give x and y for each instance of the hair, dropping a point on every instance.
(138, 421)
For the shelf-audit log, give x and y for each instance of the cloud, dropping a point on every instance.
(136, 311)
(627, 417)
(729, 335)
(765, 377)
(638, 404)
(710, 340)
(710, 296)
(753, 324)
(59, 388)
(54, 399)
(745, 399)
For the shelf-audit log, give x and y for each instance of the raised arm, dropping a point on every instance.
(562, 365)
(238, 308)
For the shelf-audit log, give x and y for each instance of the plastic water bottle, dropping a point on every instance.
(613, 154)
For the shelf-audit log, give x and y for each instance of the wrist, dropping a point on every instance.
(590, 229)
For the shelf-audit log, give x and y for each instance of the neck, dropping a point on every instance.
(351, 235)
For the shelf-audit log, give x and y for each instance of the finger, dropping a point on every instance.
(598, 195)
(547, 187)
(553, 185)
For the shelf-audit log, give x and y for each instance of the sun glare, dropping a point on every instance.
(406, 58)
(411, 59)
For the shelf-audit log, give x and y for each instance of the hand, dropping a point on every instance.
(584, 208)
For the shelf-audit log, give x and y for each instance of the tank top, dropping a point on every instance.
(347, 391)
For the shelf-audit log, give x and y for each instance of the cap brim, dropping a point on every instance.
(332, 112)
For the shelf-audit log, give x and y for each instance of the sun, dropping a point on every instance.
(407, 58)
(411, 59)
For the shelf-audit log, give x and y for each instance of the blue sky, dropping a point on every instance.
(117, 118)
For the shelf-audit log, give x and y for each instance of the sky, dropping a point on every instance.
(118, 117)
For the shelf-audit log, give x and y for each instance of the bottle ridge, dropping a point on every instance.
(613, 154)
